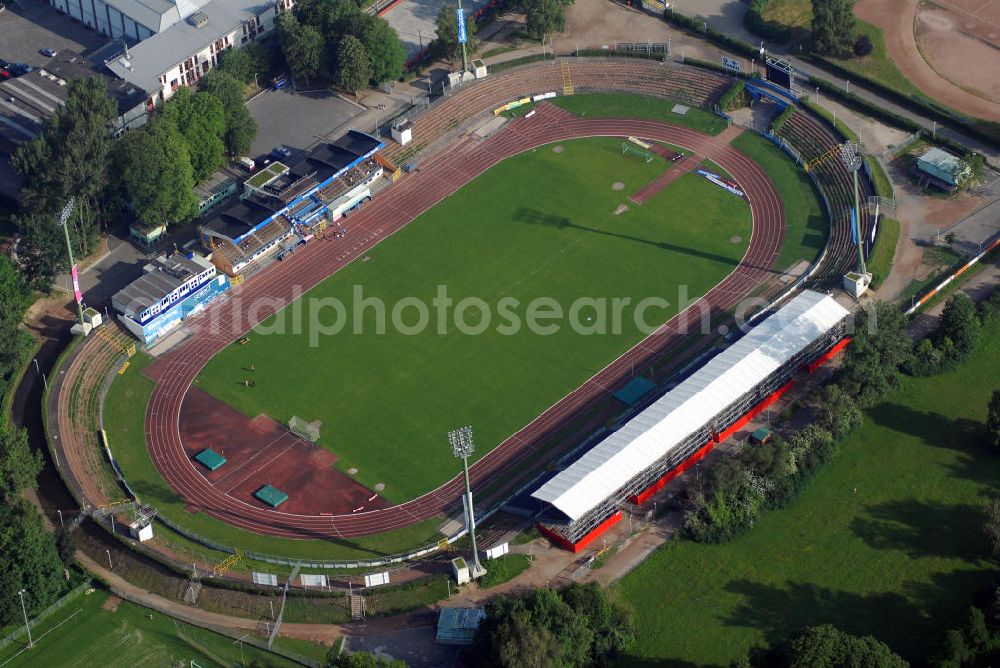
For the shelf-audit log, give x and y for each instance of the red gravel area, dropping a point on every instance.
(260, 451)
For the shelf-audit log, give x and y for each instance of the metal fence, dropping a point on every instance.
(40, 617)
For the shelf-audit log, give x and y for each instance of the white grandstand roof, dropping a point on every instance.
(667, 422)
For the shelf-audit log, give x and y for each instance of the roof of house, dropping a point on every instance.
(946, 162)
(154, 56)
(651, 434)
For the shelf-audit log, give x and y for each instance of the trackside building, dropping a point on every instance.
(284, 205)
(171, 288)
(682, 426)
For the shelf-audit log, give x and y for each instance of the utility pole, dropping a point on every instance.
(462, 446)
(63, 222)
(27, 626)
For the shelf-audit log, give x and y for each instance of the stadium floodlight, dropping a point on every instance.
(850, 155)
(63, 220)
(25, 613)
(462, 445)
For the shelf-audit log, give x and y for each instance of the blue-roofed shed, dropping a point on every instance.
(458, 626)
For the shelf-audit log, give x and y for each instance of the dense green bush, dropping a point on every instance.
(734, 98)
(782, 118)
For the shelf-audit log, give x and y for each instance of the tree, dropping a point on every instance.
(836, 411)
(544, 17)
(828, 647)
(202, 123)
(993, 421)
(19, 464)
(240, 125)
(157, 178)
(353, 68)
(302, 46)
(385, 51)
(342, 659)
(238, 63)
(28, 561)
(863, 46)
(833, 26)
(573, 626)
(960, 324)
(880, 347)
(446, 42)
(69, 158)
(991, 527)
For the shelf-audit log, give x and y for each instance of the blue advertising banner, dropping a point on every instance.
(460, 17)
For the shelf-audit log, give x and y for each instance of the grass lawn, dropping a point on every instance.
(880, 262)
(540, 225)
(502, 569)
(887, 540)
(95, 633)
(806, 226)
(628, 105)
(883, 186)
(878, 64)
(124, 421)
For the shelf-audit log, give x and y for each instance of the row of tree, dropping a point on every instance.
(155, 167)
(181, 146)
(29, 559)
(727, 502)
(834, 31)
(335, 40)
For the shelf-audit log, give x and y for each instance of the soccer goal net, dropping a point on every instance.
(305, 429)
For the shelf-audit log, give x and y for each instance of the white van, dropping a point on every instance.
(246, 163)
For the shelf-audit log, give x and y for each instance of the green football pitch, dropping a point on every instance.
(546, 224)
(97, 630)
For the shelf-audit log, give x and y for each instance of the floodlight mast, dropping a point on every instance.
(850, 155)
(462, 446)
(63, 222)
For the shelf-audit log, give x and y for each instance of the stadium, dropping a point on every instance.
(248, 432)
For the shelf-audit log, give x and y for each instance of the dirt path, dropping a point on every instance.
(895, 18)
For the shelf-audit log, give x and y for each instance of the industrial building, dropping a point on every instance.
(942, 169)
(684, 424)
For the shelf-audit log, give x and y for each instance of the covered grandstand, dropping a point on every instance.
(683, 425)
(285, 203)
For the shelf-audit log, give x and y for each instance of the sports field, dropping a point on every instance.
(100, 630)
(541, 225)
(899, 558)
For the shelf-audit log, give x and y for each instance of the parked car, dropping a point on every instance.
(280, 152)
(3, 64)
(51, 53)
(246, 163)
(17, 69)
(279, 82)
(5, 73)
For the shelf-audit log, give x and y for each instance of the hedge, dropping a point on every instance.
(838, 126)
(734, 97)
(755, 22)
(918, 103)
(524, 60)
(883, 114)
(609, 53)
(781, 119)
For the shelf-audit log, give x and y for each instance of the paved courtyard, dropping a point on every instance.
(415, 21)
(298, 120)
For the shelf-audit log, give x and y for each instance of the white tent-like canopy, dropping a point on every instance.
(658, 429)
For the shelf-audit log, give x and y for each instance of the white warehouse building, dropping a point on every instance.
(175, 41)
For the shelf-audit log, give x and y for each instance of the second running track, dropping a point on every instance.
(438, 177)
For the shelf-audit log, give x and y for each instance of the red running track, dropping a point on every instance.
(413, 194)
